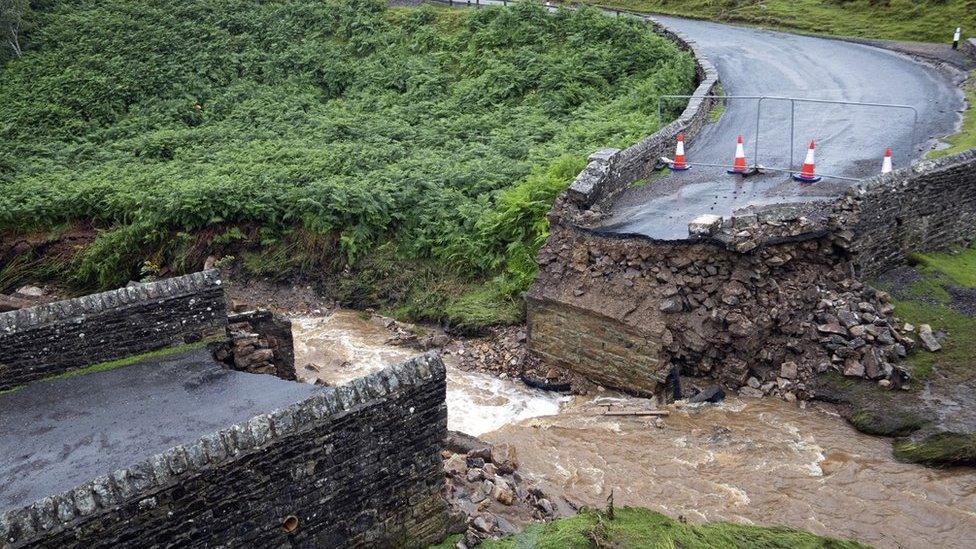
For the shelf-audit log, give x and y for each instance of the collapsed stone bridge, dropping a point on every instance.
(762, 300)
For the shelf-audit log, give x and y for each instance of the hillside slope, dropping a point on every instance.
(404, 147)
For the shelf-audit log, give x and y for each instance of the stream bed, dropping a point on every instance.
(750, 461)
(345, 346)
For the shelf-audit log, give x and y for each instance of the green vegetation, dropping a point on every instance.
(915, 20)
(939, 449)
(634, 527)
(928, 301)
(123, 362)
(966, 138)
(303, 136)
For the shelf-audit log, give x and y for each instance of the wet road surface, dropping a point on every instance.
(850, 139)
(55, 435)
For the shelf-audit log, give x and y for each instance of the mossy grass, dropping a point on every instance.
(965, 139)
(634, 527)
(122, 362)
(939, 449)
(927, 301)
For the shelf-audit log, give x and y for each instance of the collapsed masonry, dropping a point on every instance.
(762, 301)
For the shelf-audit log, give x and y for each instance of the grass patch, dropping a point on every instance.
(634, 527)
(966, 138)
(122, 362)
(928, 302)
(715, 114)
(913, 20)
(939, 449)
(959, 267)
(958, 349)
(872, 410)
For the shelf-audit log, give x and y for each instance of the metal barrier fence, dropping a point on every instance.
(760, 98)
(793, 101)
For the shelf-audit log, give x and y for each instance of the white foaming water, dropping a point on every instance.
(478, 403)
(346, 345)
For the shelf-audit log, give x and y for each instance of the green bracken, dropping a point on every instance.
(319, 130)
(634, 527)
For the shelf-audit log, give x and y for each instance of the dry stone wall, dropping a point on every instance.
(58, 337)
(353, 466)
(929, 206)
(259, 342)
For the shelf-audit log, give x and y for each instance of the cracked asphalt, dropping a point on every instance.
(850, 139)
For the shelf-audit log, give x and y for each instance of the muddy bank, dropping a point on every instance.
(750, 461)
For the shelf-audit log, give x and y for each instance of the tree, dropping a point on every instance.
(13, 21)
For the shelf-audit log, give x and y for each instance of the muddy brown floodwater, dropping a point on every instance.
(347, 345)
(765, 462)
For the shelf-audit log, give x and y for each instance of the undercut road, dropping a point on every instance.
(850, 139)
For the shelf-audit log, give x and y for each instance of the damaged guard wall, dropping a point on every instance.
(357, 466)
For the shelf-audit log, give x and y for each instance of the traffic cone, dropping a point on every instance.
(679, 164)
(886, 164)
(739, 163)
(807, 173)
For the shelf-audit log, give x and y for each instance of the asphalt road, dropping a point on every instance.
(850, 139)
(55, 435)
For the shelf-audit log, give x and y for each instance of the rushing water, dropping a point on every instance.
(345, 346)
(756, 461)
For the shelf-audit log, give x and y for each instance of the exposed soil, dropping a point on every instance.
(293, 299)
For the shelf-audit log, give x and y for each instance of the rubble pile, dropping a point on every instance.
(760, 303)
(485, 488)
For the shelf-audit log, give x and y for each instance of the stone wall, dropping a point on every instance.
(929, 206)
(597, 346)
(353, 466)
(52, 339)
(609, 171)
(968, 46)
(258, 342)
(624, 310)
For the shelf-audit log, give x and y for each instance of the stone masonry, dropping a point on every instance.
(353, 466)
(52, 339)
(761, 301)
(259, 342)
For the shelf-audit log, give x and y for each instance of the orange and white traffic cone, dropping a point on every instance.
(679, 164)
(739, 163)
(886, 163)
(807, 173)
